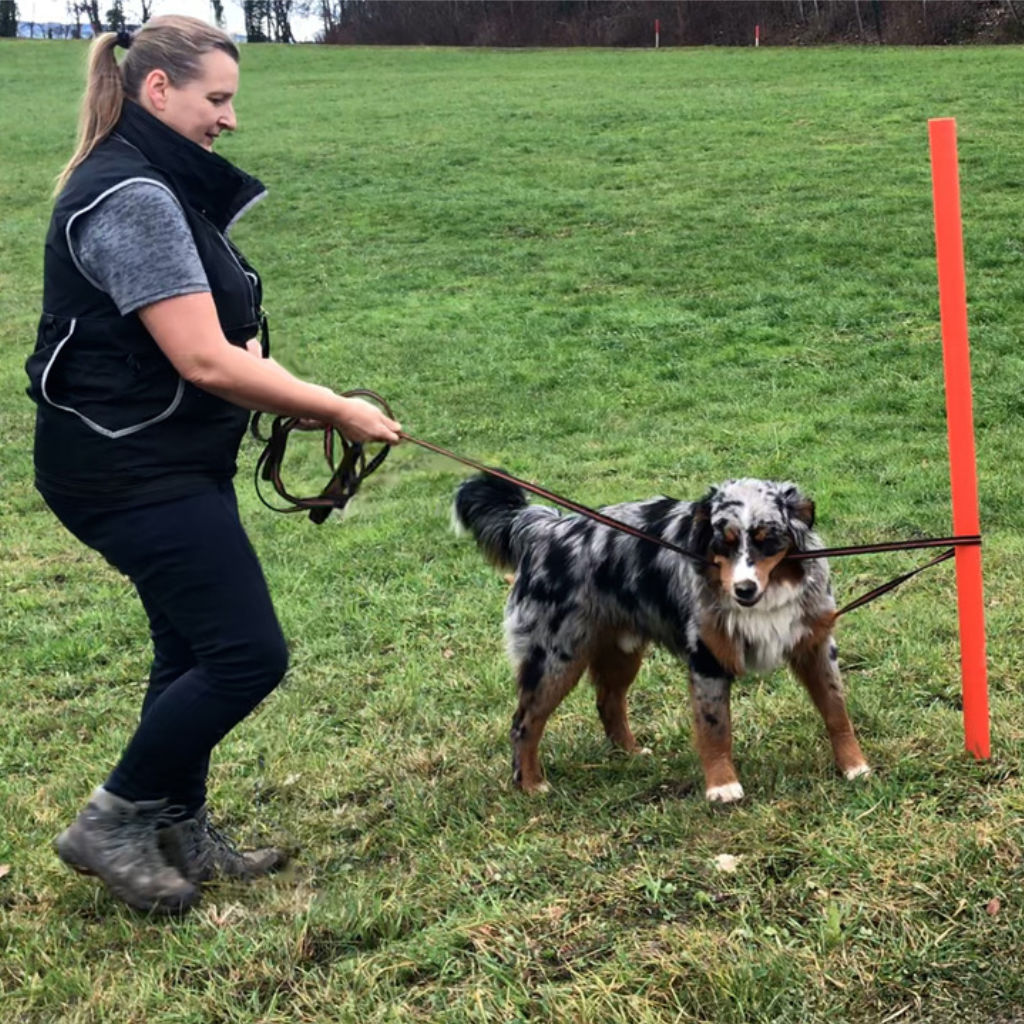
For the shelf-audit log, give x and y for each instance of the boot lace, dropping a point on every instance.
(219, 849)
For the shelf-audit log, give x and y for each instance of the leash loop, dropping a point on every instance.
(347, 473)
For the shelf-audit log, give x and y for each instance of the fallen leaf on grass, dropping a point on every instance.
(221, 918)
(991, 908)
(726, 862)
(5, 869)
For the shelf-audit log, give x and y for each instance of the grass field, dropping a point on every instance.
(620, 274)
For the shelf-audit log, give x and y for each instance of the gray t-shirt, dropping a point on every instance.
(135, 245)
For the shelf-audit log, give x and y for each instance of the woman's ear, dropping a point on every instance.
(154, 90)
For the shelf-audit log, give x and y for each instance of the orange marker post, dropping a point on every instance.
(949, 251)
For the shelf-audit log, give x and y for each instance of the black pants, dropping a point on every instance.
(218, 649)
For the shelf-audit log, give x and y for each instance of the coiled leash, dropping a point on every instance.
(348, 474)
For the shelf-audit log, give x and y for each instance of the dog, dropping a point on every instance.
(588, 596)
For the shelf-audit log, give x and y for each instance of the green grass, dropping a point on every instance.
(617, 273)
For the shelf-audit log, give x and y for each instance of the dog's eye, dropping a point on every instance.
(724, 543)
(768, 542)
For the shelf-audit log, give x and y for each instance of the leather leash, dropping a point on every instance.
(348, 474)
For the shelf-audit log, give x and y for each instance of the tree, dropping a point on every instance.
(267, 20)
(8, 19)
(218, 12)
(257, 14)
(116, 21)
(281, 13)
(91, 9)
(76, 12)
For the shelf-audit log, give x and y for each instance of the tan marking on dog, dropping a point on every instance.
(787, 571)
(818, 631)
(727, 650)
(613, 670)
(764, 568)
(714, 747)
(811, 664)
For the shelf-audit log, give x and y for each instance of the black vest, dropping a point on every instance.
(116, 425)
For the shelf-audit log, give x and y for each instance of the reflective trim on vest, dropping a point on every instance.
(244, 210)
(113, 434)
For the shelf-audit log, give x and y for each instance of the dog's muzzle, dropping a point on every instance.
(747, 593)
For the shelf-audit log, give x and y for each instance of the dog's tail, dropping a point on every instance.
(487, 507)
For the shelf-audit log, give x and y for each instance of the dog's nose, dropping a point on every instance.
(745, 590)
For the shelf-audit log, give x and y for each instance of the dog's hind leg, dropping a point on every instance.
(540, 692)
(614, 664)
(816, 666)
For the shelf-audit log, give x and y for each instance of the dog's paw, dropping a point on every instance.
(535, 788)
(857, 771)
(727, 794)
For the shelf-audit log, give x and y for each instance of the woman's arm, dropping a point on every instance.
(188, 333)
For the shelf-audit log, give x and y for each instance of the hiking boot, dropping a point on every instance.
(201, 852)
(116, 840)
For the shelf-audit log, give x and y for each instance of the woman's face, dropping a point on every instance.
(201, 108)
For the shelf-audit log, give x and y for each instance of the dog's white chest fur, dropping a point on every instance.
(767, 633)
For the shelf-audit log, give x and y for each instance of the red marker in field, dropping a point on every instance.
(657, 32)
(949, 254)
(757, 35)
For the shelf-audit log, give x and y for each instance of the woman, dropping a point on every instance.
(147, 362)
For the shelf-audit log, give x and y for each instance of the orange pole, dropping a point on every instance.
(956, 360)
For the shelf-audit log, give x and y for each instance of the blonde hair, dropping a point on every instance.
(172, 42)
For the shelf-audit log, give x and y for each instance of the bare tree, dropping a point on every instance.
(91, 9)
(256, 15)
(76, 13)
(327, 17)
(267, 20)
(280, 13)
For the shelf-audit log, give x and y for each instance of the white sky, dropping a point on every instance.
(56, 10)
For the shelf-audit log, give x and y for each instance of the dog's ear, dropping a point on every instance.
(800, 510)
(699, 538)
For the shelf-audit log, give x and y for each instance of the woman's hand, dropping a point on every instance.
(360, 420)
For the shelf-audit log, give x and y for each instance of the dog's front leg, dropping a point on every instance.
(710, 686)
(817, 667)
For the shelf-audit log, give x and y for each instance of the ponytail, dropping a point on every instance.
(101, 104)
(172, 42)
